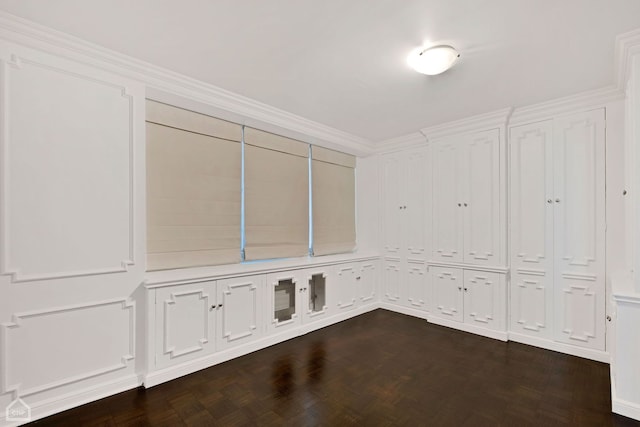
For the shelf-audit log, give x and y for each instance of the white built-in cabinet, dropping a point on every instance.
(202, 322)
(557, 202)
(296, 297)
(444, 230)
(199, 318)
(407, 225)
(467, 195)
(476, 298)
(356, 285)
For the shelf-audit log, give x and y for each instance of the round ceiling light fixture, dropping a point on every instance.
(433, 60)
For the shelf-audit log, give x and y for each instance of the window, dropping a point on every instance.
(193, 189)
(217, 190)
(333, 190)
(276, 196)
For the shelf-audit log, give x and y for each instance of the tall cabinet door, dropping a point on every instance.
(531, 213)
(481, 200)
(579, 213)
(415, 221)
(392, 178)
(447, 200)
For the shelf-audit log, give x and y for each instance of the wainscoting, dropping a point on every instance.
(380, 368)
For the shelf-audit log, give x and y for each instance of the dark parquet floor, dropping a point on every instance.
(378, 369)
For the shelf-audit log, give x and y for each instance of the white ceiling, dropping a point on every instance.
(343, 63)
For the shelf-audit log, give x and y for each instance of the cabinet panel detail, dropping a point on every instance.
(447, 202)
(579, 314)
(368, 282)
(578, 189)
(417, 285)
(447, 292)
(239, 303)
(180, 308)
(529, 303)
(481, 305)
(482, 201)
(415, 202)
(347, 287)
(392, 201)
(68, 205)
(392, 278)
(531, 194)
(185, 317)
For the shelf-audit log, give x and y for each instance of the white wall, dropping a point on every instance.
(72, 235)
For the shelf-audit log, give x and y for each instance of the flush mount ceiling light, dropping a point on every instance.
(433, 60)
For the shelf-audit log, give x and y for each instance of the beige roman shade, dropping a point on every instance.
(276, 196)
(334, 206)
(193, 189)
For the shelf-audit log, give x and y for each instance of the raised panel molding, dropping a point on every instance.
(579, 226)
(530, 297)
(18, 322)
(415, 225)
(447, 286)
(226, 294)
(369, 278)
(482, 218)
(392, 231)
(19, 270)
(171, 302)
(347, 277)
(580, 313)
(480, 297)
(416, 284)
(392, 281)
(447, 215)
(528, 157)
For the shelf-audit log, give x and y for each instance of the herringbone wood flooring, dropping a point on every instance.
(378, 369)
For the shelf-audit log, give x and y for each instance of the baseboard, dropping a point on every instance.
(623, 407)
(404, 310)
(71, 400)
(160, 376)
(587, 353)
(489, 333)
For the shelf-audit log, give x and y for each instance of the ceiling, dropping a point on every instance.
(343, 63)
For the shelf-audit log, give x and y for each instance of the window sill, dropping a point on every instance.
(157, 279)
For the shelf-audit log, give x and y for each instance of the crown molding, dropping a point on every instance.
(566, 105)
(27, 33)
(627, 45)
(410, 140)
(492, 120)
